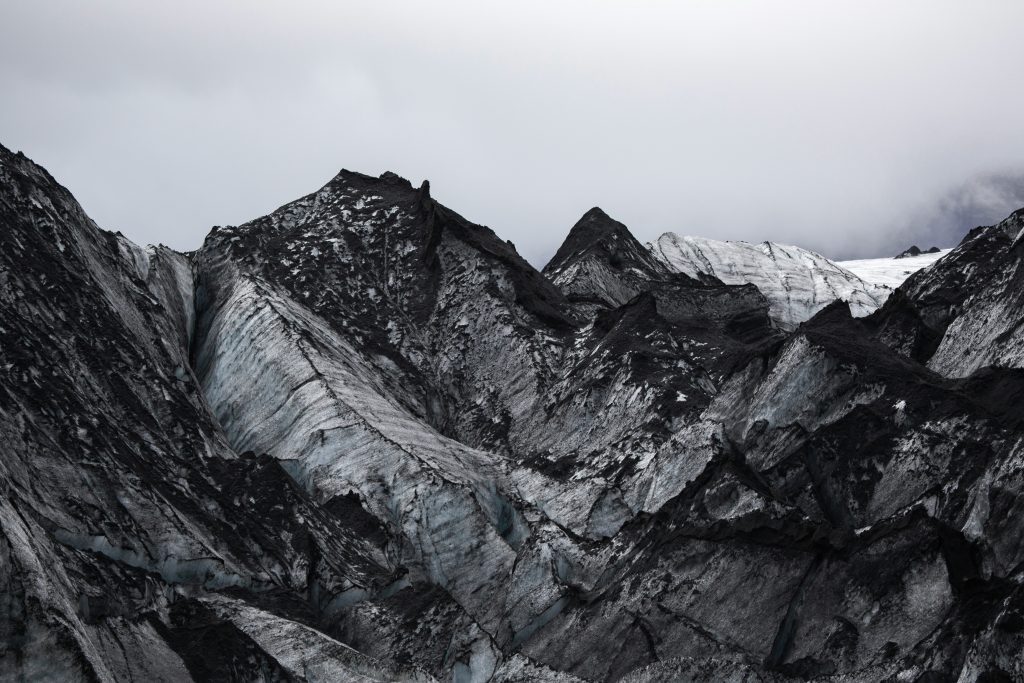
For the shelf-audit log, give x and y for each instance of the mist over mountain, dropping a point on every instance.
(980, 201)
(836, 127)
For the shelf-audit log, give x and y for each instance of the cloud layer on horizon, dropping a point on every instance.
(851, 128)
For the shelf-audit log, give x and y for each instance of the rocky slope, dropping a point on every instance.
(362, 439)
(965, 312)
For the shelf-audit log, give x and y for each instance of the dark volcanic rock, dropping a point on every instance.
(362, 439)
(912, 251)
(967, 310)
(601, 264)
(916, 251)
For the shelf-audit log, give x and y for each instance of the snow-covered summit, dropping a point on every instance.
(797, 282)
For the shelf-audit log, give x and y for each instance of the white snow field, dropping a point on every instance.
(891, 272)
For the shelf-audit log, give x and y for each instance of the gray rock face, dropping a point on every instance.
(362, 439)
(965, 313)
(123, 503)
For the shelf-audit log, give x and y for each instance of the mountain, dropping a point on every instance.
(360, 438)
(965, 312)
(601, 265)
(797, 282)
(915, 250)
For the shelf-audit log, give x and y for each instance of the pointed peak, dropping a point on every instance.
(597, 238)
(596, 225)
(594, 230)
(424, 191)
(595, 213)
(598, 216)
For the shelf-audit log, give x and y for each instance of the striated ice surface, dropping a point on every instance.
(798, 283)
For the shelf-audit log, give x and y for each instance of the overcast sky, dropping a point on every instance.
(852, 128)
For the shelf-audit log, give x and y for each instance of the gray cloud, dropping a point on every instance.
(845, 127)
(982, 200)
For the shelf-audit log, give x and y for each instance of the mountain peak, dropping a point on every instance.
(595, 231)
(601, 264)
(596, 213)
(915, 250)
